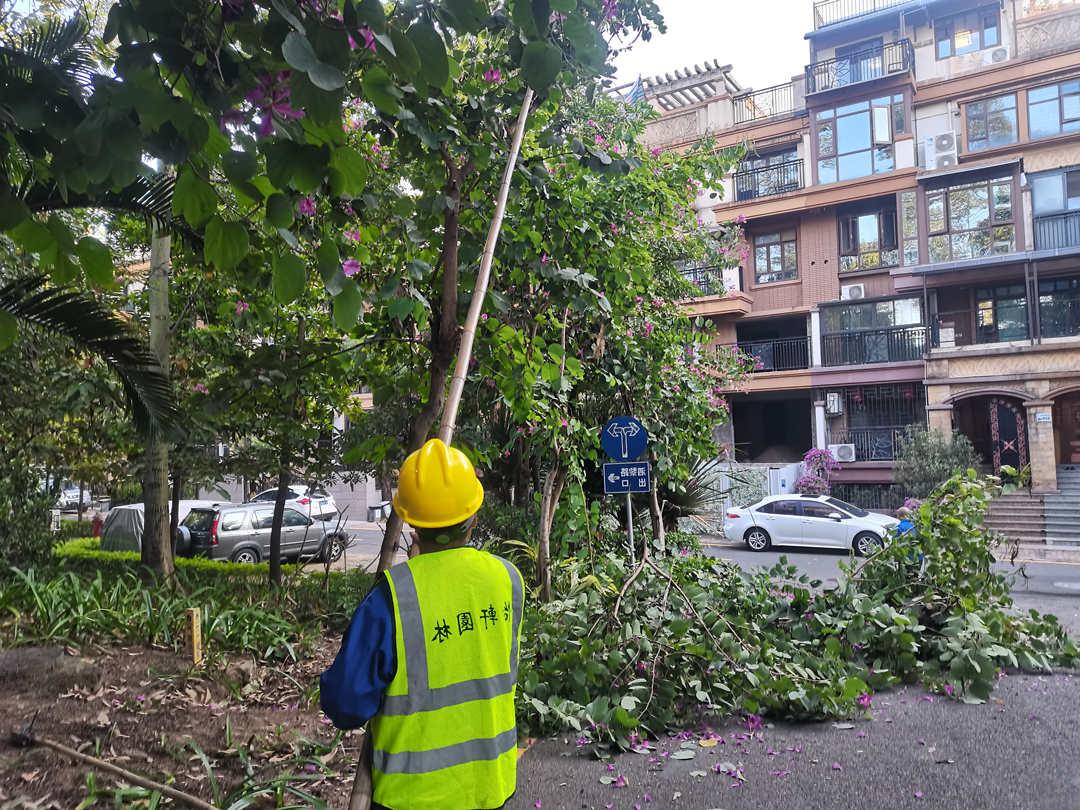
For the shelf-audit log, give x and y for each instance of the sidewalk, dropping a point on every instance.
(1020, 751)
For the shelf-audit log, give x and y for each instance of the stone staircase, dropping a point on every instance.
(1018, 516)
(1062, 509)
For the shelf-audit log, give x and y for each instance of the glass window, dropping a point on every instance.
(1056, 193)
(967, 33)
(991, 122)
(971, 221)
(775, 257)
(1054, 109)
(1059, 307)
(816, 509)
(294, 518)
(1001, 314)
(199, 520)
(785, 507)
(856, 140)
(868, 238)
(871, 315)
(232, 521)
(264, 518)
(909, 216)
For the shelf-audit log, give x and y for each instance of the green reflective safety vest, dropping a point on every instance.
(445, 737)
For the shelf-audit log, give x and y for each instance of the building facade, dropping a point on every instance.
(912, 220)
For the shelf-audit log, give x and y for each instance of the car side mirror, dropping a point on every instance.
(836, 516)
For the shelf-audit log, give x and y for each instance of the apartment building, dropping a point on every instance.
(912, 210)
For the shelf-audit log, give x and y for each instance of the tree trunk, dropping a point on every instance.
(279, 515)
(156, 543)
(174, 513)
(549, 501)
(79, 506)
(658, 531)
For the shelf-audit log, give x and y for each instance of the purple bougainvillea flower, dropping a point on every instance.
(753, 723)
(611, 8)
(369, 38)
(949, 690)
(864, 700)
(544, 258)
(242, 307)
(199, 388)
(836, 766)
(350, 267)
(656, 151)
(231, 118)
(354, 235)
(493, 76)
(620, 781)
(306, 206)
(918, 794)
(538, 804)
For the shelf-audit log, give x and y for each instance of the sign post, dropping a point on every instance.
(624, 439)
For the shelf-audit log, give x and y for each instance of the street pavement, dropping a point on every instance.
(914, 751)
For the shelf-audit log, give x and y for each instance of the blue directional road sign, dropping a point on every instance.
(624, 438)
(622, 477)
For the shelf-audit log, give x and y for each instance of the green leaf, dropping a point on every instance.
(9, 328)
(626, 720)
(853, 687)
(193, 198)
(371, 13)
(226, 243)
(353, 170)
(347, 306)
(434, 66)
(96, 260)
(298, 52)
(65, 242)
(540, 64)
(470, 14)
(380, 90)
(564, 6)
(402, 58)
(289, 277)
(328, 259)
(12, 210)
(33, 237)
(326, 77)
(239, 165)
(309, 167)
(279, 211)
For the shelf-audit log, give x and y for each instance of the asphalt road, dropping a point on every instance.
(1018, 752)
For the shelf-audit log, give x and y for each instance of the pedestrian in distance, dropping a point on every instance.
(431, 655)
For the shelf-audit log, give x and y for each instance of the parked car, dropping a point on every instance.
(241, 534)
(69, 497)
(315, 503)
(808, 520)
(123, 527)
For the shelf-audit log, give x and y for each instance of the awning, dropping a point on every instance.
(968, 168)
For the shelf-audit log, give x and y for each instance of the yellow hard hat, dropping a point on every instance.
(437, 486)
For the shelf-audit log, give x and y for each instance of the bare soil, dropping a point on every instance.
(143, 708)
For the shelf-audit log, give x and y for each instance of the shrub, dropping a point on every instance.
(927, 458)
(818, 465)
(694, 636)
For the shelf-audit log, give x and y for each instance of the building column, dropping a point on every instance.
(815, 339)
(939, 417)
(821, 436)
(1042, 451)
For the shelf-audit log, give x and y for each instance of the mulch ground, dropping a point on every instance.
(146, 710)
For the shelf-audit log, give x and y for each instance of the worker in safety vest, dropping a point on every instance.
(431, 654)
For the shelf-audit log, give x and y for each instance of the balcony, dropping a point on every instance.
(872, 443)
(1057, 231)
(829, 12)
(764, 104)
(894, 345)
(891, 59)
(778, 354)
(709, 280)
(767, 181)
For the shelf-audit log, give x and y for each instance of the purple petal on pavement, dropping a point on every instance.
(836, 766)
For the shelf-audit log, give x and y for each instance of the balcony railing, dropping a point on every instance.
(709, 280)
(778, 354)
(827, 12)
(872, 443)
(766, 181)
(874, 346)
(862, 66)
(1057, 231)
(762, 104)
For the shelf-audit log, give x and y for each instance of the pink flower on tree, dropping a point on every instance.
(354, 235)
(610, 8)
(649, 327)
(350, 267)
(306, 206)
(656, 151)
(199, 388)
(493, 76)
(242, 307)
(369, 38)
(271, 97)
(544, 258)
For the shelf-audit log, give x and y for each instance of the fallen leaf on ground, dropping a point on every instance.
(683, 754)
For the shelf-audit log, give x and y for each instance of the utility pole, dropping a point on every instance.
(157, 554)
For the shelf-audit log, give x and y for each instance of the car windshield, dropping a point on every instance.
(856, 511)
(199, 520)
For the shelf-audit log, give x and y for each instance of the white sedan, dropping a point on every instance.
(807, 520)
(316, 504)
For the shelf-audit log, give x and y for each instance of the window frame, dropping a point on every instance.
(1062, 120)
(854, 329)
(948, 26)
(244, 516)
(880, 210)
(894, 118)
(1062, 175)
(992, 224)
(780, 244)
(997, 294)
(985, 118)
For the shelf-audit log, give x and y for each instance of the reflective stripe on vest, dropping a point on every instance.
(471, 743)
(421, 697)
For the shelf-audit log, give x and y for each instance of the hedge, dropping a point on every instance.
(88, 549)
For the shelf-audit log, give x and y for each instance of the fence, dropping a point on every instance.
(891, 345)
(828, 12)
(765, 181)
(862, 66)
(766, 103)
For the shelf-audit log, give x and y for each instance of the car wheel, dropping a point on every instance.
(866, 544)
(332, 549)
(245, 556)
(757, 539)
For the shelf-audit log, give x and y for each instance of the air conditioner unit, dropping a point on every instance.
(707, 198)
(843, 452)
(941, 151)
(834, 403)
(852, 292)
(995, 57)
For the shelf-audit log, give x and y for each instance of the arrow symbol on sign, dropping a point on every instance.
(613, 478)
(622, 433)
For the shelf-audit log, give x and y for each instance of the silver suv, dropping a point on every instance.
(241, 534)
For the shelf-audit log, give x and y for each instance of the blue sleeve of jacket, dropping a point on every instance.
(351, 691)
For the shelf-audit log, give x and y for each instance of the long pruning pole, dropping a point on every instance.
(362, 785)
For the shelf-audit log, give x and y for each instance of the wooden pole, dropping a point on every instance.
(360, 799)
